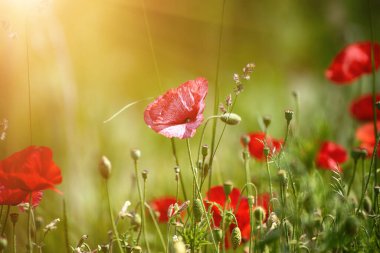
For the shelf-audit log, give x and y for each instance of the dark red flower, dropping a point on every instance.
(352, 62)
(365, 134)
(179, 112)
(161, 205)
(241, 211)
(330, 156)
(14, 197)
(257, 143)
(31, 169)
(362, 107)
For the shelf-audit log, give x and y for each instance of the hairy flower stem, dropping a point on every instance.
(353, 177)
(199, 194)
(216, 92)
(375, 199)
(269, 177)
(142, 207)
(30, 245)
(112, 220)
(5, 220)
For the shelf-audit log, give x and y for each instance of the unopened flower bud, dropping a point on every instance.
(251, 201)
(105, 167)
(135, 154)
(204, 150)
(3, 243)
(227, 187)
(283, 177)
(351, 225)
(39, 222)
(14, 217)
(236, 237)
(266, 151)
(245, 139)
(218, 234)
(267, 120)
(289, 115)
(198, 210)
(230, 118)
(82, 240)
(356, 154)
(259, 214)
(144, 174)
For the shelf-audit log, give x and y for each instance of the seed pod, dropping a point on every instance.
(259, 214)
(218, 234)
(230, 118)
(267, 120)
(135, 154)
(144, 174)
(289, 115)
(227, 187)
(204, 150)
(236, 237)
(198, 210)
(105, 167)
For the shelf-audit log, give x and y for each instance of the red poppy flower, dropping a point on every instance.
(352, 62)
(161, 205)
(14, 197)
(179, 112)
(365, 134)
(216, 195)
(362, 107)
(31, 169)
(330, 156)
(257, 143)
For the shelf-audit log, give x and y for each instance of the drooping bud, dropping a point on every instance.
(289, 115)
(259, 214)
(230, 118)
(236, 237)
(204, 150)
(105, 167)
(227, 187)
(198, 210)
(218, 234)
(135, 154)
(245, 139)
(144, 174)
(251, 201)
(267, 120)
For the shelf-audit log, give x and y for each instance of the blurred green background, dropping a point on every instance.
(88, 58)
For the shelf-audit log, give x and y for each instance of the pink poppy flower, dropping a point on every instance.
(352, 62)
(330, 156)
(179, 112)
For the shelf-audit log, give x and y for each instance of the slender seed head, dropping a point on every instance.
(135, 154)
(105, 167)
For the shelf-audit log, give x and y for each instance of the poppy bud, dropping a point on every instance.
(266, 151)
(230, 118)
(105, 167)
(3, 243)
(204, 150)
(351, 225)
(227, 187)
(14, 217)
(267, 120)
(367, 204)
(289, 115)
(251, 201)
(135, 154)
(236, 237)
(356, 153)
(218, 234)
(259, 214)
(245, 139)
(283, 176)
(198, 210)
(144, 174)
(136, 221)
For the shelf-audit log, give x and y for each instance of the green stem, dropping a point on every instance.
(5, 220)
(14, 238)
(269, 177)
(353, 177)
(216, 95)
(112, 220)
(285, 141)
(174, 151)
(199, 194)
(30, 246)
(224, 225)
(142, 207)
(162, 240)
(65, 226)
